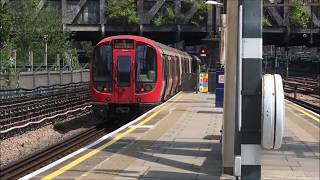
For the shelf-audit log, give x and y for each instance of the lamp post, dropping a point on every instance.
(223, 32)
(45, 38)
(212, 40)
(214, 3)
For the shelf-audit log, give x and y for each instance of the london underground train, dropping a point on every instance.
(129, 72)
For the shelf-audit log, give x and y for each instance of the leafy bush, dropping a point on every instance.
(121, 12)
(72, 58)
(166, 16)
(5, 64)
(298, 15)
(266, 21)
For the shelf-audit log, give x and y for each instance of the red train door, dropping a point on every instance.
(124, 86)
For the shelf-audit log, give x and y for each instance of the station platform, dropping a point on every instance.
(180, 139)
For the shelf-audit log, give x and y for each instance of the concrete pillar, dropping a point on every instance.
(230, 87)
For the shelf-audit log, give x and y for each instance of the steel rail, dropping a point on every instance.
(304, 104)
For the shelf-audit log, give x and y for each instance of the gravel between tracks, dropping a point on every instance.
(18, 147)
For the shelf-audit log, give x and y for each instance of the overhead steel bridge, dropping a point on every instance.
(88, 19)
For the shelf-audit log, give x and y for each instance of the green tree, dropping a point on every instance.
(5, 25)
(121, 12)
(28, 28)
(200, 16)
(5, 46)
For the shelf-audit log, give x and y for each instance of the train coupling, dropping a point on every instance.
(123, 109)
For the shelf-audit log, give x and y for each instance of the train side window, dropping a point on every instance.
(102, 64)
(186, 64)
(177, 65)
(163, 66)
(172, 67)
(183, 65)
(169, 66)
(146, 64)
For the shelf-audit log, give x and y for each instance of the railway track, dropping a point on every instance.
(304, 92)
(50, 154)
(22, 110)
(304, 104)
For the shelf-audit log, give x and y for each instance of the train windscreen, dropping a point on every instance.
(102, 65)
(146, 64)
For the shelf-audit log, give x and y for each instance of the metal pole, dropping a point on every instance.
(58, 61)
(14, 58)
(223, 40)
(266, 64)
(275, 61)
(45, 37)
(287, 62)
(31, 60)
(287, 66)
(238, 119)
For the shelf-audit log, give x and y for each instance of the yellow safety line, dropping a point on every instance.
(305, 113)
(95, 151)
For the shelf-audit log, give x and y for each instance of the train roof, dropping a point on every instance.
(133, 37)
(161, 47)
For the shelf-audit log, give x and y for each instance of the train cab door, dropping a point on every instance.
(123, 76)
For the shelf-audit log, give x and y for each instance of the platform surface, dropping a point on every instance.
(299, 156)
(181, 140)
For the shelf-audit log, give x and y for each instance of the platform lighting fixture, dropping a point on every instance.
(214, 3)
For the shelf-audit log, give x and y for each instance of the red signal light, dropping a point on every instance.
(203, 51)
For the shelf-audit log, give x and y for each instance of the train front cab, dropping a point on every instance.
(124, 74)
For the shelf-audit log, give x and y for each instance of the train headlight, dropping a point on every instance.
(144, 87)
(99, 87)
(102, 87)
(148, 87)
